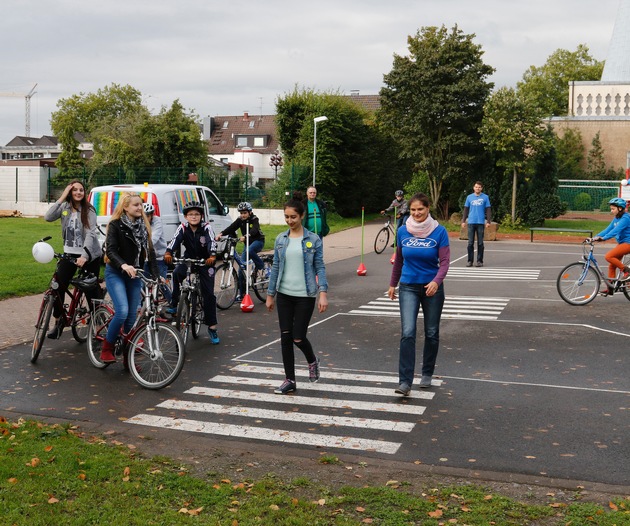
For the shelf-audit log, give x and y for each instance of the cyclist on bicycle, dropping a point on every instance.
(399, 204)
(198, 240)
(80, 241)
(619, 228)
(256, 240)
(159, 245)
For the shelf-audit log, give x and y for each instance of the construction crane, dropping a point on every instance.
(27, 116)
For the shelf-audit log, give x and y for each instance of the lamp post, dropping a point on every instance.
(315, 121)
(276, 160)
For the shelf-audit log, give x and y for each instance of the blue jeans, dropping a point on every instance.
(163, 268)
(473, 229)
(254, 248)
(125, 293)
(411, 297)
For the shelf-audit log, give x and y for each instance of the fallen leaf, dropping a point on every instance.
(359, 509)
(435, 514)
(53, 500)
(613, 506)
(274, 507)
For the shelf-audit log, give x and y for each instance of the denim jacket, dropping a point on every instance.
(313, 250)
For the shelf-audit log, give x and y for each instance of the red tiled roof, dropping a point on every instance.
(226, 127)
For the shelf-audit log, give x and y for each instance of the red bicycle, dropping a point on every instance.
(75, 312)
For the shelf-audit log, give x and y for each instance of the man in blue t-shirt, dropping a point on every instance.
(478, 214)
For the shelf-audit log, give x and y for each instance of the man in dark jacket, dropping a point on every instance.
(315, 216)
(198, 240)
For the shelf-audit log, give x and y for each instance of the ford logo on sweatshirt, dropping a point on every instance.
(414, 242)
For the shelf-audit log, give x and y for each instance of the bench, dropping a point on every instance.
(536, 228)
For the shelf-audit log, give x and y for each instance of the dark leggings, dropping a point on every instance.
(294, 315)
(65, 272)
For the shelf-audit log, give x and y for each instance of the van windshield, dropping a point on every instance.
(214, 206)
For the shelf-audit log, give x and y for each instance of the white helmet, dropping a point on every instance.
(43, 252)
(148, 208)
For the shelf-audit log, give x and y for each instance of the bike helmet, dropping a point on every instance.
(148, 208)
(244, 207)
(618, 201)
(87, 282)
(192, 205)
(399, 193)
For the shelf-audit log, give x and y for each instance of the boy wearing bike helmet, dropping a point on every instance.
(159, 245)
(198, 240)
(619, 228)
(399, 204)
(256, 239)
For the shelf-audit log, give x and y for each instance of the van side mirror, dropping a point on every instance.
(226, 210)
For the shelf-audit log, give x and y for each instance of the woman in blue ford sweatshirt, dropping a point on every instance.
(297, 275)
(422, 260)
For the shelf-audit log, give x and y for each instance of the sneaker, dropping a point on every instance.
(425, 381)
(403, 389)
(214, 336)
(313, 371)
(171, 310)
(288, 386)
(469, 264)
(238, 298)
(479, 264)
(56, 331)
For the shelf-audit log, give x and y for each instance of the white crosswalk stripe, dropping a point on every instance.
(487, 273)
(354, 404)
(455, 307)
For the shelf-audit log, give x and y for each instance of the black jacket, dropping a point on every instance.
(255, 233)
(199, 244)
(121, 248)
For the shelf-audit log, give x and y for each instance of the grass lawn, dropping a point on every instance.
(52, 474)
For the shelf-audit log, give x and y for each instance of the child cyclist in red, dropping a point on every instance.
(619, 228)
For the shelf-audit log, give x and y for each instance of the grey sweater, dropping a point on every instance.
(90, 238)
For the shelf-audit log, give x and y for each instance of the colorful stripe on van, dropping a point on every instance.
(105, 202)
(185, 196)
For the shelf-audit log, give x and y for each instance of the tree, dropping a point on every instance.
(570, 153)
(548, 86)
(354, 156)
(432, 104)
(512, 129)
(595, 163)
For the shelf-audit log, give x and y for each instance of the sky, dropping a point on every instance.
(226, 58)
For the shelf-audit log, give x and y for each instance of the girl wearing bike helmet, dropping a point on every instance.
(78, 228)
(619, 228)
(401, 207)
(256, 240)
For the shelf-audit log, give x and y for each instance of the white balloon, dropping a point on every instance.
(624, 182)
(43, 252)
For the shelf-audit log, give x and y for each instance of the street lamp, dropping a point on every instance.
(276, 160)
(315, 121)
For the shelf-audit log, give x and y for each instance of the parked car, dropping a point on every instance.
(168, 200)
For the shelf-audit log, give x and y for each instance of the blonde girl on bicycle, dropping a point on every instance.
(78, 229)
(619, 228)
(128, 246)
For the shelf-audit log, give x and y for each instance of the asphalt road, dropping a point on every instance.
(525, 383)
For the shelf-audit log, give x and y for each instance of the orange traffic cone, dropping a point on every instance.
(361, 271)
(247, 305)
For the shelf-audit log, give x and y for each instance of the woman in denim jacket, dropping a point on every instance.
(297, 275)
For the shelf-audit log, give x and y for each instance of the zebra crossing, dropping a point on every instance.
(455, 307)
(344, 410)
(494, 274)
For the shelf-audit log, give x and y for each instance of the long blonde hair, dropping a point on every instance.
(123, 202)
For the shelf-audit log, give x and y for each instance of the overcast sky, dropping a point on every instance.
(224, 58)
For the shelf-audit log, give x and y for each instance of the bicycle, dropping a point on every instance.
(189, 315)
(579, 283)
(226, 281)
(75, 314)
(154, 349)
(382, 236)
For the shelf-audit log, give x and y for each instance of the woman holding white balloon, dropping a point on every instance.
(80, 241)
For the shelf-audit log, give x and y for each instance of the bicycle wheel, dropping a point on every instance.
(81, 319)
(156, 356)
(225, 286)
(182, 318)
(382, 240)
(196, 318)
(41, 327)
(260, 280)
(577, 284)
(96, 335)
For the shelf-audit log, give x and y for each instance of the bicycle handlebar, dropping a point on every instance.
(190, 260)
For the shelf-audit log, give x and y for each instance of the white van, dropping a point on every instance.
(168, 200)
